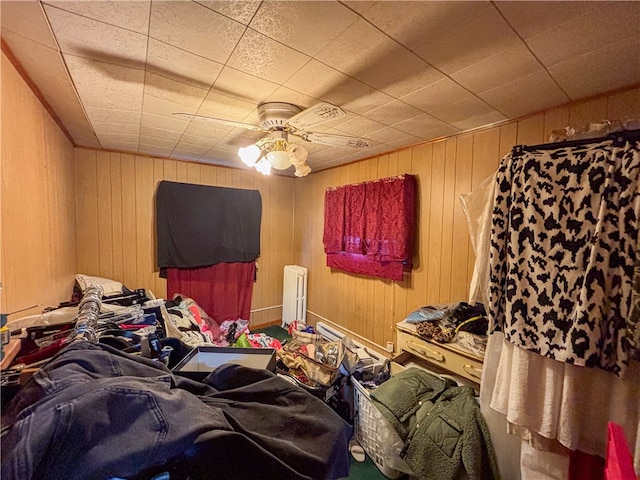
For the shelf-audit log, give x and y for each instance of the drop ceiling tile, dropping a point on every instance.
(404, 142)
(180, 154)
(359, 126)
(425, 127)
(36, 58)
(206, 130)
(437, 95)
(155, 151)
(359, 98)
(236, 84)
(117, 137)
(265, 58)
(28, 20)
(511, 99)
(198, 142)
(225, 108)
(239, 10)
(533, 18)
(393, 112)
(165, 108)
(396, 71)
(88, 38)
(194, 28)
(163, 122)
(472, 40)
(104, 85)
(408, 21)
(351, 49)
(184, 148)
(239, 137)
(617, 65)
(132, 15)
(223, 156)
(394, 138)
(359, 6)
(174, 92)
(365, 53)
(157, 142)
(112, 115)
(468, 114)
(285, 94)
(503, 67)
(306, 28)
(116, 128)
(612, 23)
(320, 81)
(185, 67)
(152, 132)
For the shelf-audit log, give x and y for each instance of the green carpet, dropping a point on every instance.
(366, 470)
(274, 331)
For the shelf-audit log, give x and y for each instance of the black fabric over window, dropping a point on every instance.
(198, 225)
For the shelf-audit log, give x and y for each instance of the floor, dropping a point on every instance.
(366, 470)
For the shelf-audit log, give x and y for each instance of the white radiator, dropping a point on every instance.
(294, 295)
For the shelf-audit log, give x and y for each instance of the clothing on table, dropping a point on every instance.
(95, 412)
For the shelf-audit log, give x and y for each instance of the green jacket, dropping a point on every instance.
(441, 425)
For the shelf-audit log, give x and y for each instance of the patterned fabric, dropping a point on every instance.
(563, 248)
(369, 227)
(633, 328)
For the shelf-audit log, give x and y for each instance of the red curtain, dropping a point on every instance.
(368, 227)
(223, 290)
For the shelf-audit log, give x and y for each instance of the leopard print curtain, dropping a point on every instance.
(564, 244)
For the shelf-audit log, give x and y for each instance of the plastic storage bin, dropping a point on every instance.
(376, 435)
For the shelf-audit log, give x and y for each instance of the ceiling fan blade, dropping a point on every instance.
(230, 123)
(320, 113)
(357, 143)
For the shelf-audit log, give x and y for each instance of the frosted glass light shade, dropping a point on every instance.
(279, 159)
(302, 170)
(249, 155)
(297, 154)
(264, 167)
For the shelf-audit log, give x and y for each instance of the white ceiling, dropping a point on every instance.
(114, 72)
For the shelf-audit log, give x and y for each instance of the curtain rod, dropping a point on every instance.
(616, 137)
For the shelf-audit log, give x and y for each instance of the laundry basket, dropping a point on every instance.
(376, 435)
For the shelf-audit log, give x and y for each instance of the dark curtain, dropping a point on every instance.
(223, 290)
(368, 227)
(198, 225)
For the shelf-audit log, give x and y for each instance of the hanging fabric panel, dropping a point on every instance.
(198, 225)
(369, 227)
(223, 290)
(563, 248)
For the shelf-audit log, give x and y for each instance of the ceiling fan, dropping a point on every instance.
(279, 120)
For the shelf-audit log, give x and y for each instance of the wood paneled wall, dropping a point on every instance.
(38, 229)
(443, 263)
(116, 230)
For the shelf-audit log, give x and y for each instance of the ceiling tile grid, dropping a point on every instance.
(405, 72)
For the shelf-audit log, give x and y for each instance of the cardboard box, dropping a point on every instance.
(201, 361)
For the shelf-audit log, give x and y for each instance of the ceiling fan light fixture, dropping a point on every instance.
(249, 155)
(279, 159)
(302, 170)
(297, 154)
(263, 166)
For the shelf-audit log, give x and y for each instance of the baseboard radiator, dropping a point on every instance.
(332, 334)
(294, 295)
